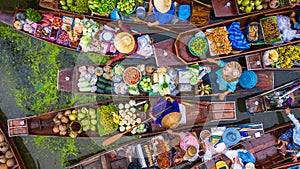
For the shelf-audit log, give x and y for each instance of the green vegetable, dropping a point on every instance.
(101, 85)
(83, 84)
(85, 89)
(126, 6)
(62, 2)
(33, 15)
(100, 90)
(65, 8)
(198, 46)
(102, 6)
(101, 79)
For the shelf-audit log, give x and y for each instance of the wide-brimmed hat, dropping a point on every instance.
(171, 120)
(250, 166)
(231, 71)
(231, 136)
(162, 6)
(191, 152)
(124, 42)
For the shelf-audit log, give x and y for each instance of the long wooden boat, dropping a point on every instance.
(12, 148)
(9, 18)
(264, 148)
(196, 18)
(193, 113)
(268, 101)
(138, 149)
(288, 165)
(221, 9)
(183, 39)
(256, 61)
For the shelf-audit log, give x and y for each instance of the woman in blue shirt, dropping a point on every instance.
(225, 79)
(163, 11)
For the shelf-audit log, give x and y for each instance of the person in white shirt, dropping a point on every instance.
(240, 158)
(294, 134)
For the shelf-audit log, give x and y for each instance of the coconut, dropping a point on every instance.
(62, 133)
(3, 166)
(62, 127)
(59, 115)
(64, 119)
(10, 162)
(2, 138)
(55, 129)
(67, 112)
(9, 154)
(2, 159)
(4, 147)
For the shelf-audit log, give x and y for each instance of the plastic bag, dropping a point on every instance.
(144, 46)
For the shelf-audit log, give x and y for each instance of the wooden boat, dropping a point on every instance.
(264, 148)
(181, 43)
(196, 19)
(268, 101)
(137, 149)
(256, 62)
(69, 79)
(221, 9)
(9, 17)
(194, 113)
(289, 165)
(19, 163)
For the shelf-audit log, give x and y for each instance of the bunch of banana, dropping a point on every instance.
(287, 55)
(204, 89)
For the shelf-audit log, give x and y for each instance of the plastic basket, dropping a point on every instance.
(193, 39)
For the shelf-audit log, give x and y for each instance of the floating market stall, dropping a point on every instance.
(276, 99)
(281, 58)
(74, 32)
(10, 158)
(112, 117)
(148, 80)
(227, 8)
(226, 39)
(163, 151)
(189, 13)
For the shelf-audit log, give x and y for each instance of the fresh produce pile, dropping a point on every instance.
(218, 41)
(108, 119)
(288, 55)
(253, 32)
(65, 122)
(88, 118)
(7, 159)
(270, 29)
(95, 79)
(87, 41)
(200, 15)
(146, 84)
(126, 6)
(204, 89)
(33, 15)
(270, 57)
(198, 46)
(77, 6)
(102, 6)
(257, 5)
(128, 115)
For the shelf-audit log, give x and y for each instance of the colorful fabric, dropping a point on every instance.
(162, 104)
(164, 18)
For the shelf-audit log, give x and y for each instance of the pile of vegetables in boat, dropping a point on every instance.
(102, 6)
(7, 158)
(88, 118)
(66, 123)
(77, 6)
(108, 118)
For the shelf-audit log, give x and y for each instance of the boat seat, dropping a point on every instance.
(36, 124)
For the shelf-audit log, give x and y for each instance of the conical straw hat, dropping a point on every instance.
(124, 42)
(231, 71)
(162, 6)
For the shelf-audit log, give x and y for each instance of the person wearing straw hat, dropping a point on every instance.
(169, 118)
(125, 43)
(225, 79)
(189, 143)
(292, 134)
(163, 12)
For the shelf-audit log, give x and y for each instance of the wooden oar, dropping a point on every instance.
(204, 4)
(157, 26)
(118, 136)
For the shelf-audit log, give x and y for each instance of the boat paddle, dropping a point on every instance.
(157, 26)
(118, 136)
(204, 4)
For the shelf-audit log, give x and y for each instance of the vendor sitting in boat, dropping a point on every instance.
(163, 12)
(292, 134)
(171, 117)
(188, 143)
(223, 80)
(126, 44)
(241, 159)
